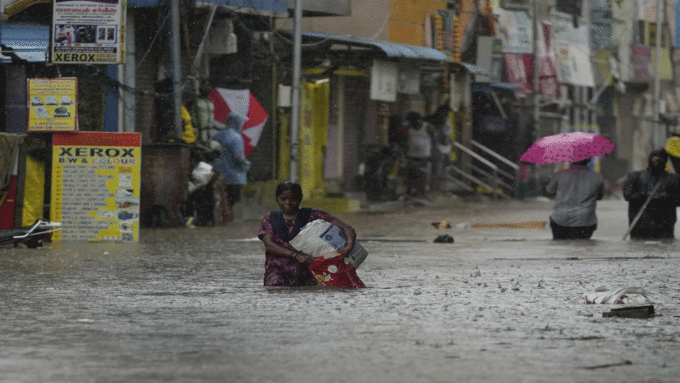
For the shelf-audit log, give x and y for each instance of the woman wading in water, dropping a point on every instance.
(284, 265)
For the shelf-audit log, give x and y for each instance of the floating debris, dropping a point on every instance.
(638, 312)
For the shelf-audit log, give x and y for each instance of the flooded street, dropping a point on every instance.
(497, 305)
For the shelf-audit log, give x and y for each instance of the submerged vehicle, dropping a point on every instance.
(31, 236)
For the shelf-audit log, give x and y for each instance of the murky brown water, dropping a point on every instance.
(189, 306)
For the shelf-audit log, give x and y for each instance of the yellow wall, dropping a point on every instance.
(313, 137)
(34, 192)
(283, 171)
(407, 19)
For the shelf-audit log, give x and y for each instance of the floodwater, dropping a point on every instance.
(496, 305)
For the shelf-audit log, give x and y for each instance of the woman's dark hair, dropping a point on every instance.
(296, 189)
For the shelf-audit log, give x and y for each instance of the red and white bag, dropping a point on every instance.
(334, 269)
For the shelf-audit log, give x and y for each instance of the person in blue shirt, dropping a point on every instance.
(232, 163)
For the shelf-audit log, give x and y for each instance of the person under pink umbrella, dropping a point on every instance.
(576, 191)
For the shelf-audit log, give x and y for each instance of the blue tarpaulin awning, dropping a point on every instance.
(474, 69)
(28, 42)
(488, 87)
(392, 50)
(278, 6)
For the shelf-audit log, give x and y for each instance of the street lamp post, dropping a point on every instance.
(176, 68)
(295, 101)
(657, 136)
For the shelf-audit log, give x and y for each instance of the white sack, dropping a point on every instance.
(202, 174)
(320, 237)
(623, 295)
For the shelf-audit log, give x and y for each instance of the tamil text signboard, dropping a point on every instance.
(52, 104)
(96, 186)
(88, 32)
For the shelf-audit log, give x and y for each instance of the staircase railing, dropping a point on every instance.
(490, 170)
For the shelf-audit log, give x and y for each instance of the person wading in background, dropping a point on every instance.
(658, 219)
(576, 191)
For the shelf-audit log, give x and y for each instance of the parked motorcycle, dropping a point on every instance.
(381, 173)
(31, 236)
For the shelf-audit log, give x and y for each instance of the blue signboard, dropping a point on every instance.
(28, 42)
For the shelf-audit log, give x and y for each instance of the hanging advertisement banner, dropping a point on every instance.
(88, 32)
(52, 104)
(384, 81)
(96, 186)
(514, 29)
(518, 70)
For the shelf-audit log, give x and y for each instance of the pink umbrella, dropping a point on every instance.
(567, 147)
(241, 102)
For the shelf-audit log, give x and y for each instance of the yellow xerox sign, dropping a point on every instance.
(96, 186)
(52, 104)
(88, 31)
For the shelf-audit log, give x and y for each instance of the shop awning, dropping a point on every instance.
(277, 6)
(28, 42)
(491, 86)
(391, 50)
(474, 69)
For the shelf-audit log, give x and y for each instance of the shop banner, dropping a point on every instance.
(547, 73)
(96, 186)
(52, 104)
(640, 64)
(384, 81)
(519, 70)
(574, 64)
(514, 29)
(88, 32)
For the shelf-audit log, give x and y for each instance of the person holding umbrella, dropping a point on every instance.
(576, 191)
(653, 195)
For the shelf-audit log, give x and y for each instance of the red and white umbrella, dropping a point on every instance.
(241, 102)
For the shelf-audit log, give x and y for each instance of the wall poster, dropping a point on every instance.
(96, 186)
(384, 81)
(88, 32)
(52, 104)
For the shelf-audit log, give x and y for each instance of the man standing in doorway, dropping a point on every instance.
(418, 153)
(203, 113)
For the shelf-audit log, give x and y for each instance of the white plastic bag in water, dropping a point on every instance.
(320, 237)
(622, 295)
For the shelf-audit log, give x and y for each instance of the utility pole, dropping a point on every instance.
(536, 67)
(658, 138)
(295, 102)
(176, 68)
